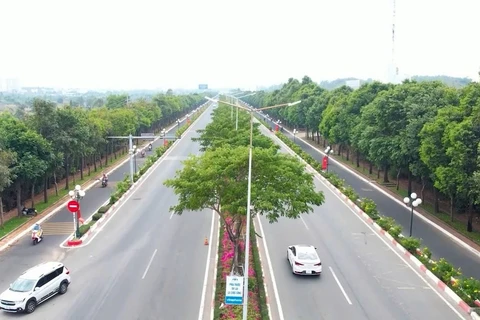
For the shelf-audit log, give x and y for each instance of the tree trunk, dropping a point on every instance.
(370, 168)
(74, 171)
(67, 173)
(451, 207)
(1, 211)
(81, 166)
(398, 179)
(33, 194)
(358, 159)
(318, 137)
(55, 183)
(436, 208)
(18, 187)
(409, 187)
(114, 149)
(378, 173)
(348, 154)
(45, 188)
(339, 152)
(106, 155)
(385, 175)
(95, 161)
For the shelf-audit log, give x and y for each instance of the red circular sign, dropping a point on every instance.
(73, 206)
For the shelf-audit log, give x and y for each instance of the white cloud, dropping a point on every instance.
(181, 43)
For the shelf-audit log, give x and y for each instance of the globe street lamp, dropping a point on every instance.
(414, 202)
(76, 194)
(294, 134)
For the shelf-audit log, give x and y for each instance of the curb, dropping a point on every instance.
(440, 285)
(267, 300)
(98, 223)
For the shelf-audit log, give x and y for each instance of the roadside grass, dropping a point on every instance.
(12, 224)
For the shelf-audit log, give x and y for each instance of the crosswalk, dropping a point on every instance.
(57, 228)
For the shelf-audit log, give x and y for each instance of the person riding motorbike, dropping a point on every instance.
(38, 230)
(143, 153)
(150, 147)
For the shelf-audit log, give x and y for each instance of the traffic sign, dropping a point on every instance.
(73, 206)
(234, 290)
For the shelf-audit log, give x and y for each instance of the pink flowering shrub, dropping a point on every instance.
(229, 312)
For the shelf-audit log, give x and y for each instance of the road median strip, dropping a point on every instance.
(464, 292)
(123, 189)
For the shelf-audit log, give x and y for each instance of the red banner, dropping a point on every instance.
(325, 163)
(80, 219)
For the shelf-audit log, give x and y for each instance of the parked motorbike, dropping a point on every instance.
(37, 235)
(29, 211)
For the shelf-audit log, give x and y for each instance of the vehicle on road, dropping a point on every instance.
(35, 286)
(37, 234)
(29, 211)
(304, 260)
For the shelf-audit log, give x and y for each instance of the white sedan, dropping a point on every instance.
(304, 260)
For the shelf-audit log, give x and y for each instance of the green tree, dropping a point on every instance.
(7, 159)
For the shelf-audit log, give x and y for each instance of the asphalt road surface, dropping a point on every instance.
(362, 277)
(109, 277)
(440, 244)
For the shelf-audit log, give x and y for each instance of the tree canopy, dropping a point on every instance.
(54, 141)
(218, 179)
(427, 131)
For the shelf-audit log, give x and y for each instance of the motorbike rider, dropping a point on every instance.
(38, 229)
(150, 146)
(143, 153)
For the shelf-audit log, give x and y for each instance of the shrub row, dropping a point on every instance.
(257, 266)
(122, 187)
(467, 288)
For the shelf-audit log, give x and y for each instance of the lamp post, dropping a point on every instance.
(249, 196)
(76, 194)
(414, 202)
(133, 152)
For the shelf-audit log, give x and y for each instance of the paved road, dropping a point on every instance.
(377, 284)
(145, 263)
(23, 254)
(440, 244)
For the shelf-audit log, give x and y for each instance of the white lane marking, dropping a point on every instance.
(340, 286)
(376, 234)
(212, 311)
(149, 264)
(304, 223)
(406, 288)
(135, 189)
(270, 269)
(207, 267)
(402, 205)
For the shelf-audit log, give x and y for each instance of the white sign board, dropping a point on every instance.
(234, 290)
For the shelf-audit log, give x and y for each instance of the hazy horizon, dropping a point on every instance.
(179, 44)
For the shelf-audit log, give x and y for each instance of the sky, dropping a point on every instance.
(126, 44)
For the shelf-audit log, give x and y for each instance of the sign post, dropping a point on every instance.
(74, 206)
(234, 290)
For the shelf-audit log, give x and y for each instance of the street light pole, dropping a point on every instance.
(414, 202)
(77, 194)
(249, 194)
(130, 148)
(294, 134)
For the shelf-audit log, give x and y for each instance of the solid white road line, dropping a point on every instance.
(376, 234)
(212, 311)
(207, 267)
(340, 286)
(149, 264)
(304, 223)
(379, 189)
(270, 269)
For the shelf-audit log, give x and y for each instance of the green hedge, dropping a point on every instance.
(257, 265)
(467, 288)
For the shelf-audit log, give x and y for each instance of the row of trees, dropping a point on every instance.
(52, 142)
(217, 179)
(424, 131)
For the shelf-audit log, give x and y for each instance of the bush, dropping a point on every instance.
(136, 176)
(386, 222)
(97, 216)
(468, 289)
(104, 208)
(444, 270)
(114, 198)
(395, 231)
(350, 193)
(410, 243)
(369, 207)
(84, 228)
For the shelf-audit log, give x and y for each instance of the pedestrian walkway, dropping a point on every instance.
(57, 228)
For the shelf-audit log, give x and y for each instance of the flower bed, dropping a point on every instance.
(468, 289)
(123, 186)
(256, 293)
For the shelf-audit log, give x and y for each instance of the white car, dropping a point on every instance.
(304, 260)
(35, 286)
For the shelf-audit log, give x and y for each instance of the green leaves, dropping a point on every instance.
(218, 179)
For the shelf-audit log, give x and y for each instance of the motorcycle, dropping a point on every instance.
(29, 211)
(104, 183)
(142, 154)
(37, 236)
(149, 147)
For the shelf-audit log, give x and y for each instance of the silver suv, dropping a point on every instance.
(34, 286)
